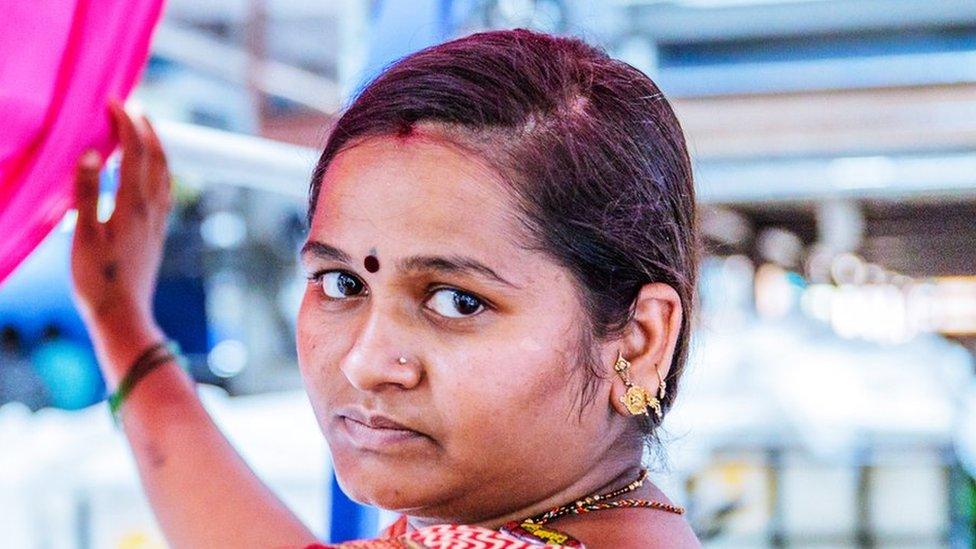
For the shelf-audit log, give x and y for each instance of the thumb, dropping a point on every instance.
(86, 190)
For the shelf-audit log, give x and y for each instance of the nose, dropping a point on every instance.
(372, 362)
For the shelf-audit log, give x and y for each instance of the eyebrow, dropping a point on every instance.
(455, 264)
(324, 251)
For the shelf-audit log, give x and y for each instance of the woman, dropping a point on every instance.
(501, 261)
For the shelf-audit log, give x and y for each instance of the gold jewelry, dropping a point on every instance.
(637, 399)
(597, 502)
(662, 391)
(534, 529)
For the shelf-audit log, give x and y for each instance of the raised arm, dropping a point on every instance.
(201, 491)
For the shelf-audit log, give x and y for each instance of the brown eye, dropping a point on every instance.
(340, 285)
(454, 303)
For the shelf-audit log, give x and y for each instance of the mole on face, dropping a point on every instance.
(372, 263)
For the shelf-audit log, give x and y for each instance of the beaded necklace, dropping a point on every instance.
(531, 529)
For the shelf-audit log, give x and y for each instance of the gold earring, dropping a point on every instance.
(661, 393)
(637, 399)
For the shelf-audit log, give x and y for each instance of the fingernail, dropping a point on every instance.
(91, 159)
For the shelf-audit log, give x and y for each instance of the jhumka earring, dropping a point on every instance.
(637, 399)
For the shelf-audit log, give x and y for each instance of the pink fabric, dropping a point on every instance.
(60, 62)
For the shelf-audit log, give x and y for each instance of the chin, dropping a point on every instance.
(405, 476)
(385, 484)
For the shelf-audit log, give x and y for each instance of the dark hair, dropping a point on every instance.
(589, 146)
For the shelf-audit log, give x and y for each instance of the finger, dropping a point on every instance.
(86, 191)
(159, 177)
(132, 166)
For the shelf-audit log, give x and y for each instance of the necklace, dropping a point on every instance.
(531, 529)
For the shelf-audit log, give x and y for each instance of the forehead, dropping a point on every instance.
(419, 193)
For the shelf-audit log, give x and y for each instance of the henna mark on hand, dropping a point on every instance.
(157, 458)
(110, 270)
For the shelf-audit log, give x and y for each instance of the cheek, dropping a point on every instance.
(305, 341)
(318, 345)
(523, 387)
(522, 373)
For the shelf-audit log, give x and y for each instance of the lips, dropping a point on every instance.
(375, 432)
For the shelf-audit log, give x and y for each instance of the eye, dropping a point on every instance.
(454, 303)
(340, 284)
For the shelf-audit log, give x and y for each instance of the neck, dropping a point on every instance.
(597, 481)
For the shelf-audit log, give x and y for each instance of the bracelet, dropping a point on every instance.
(153, 357)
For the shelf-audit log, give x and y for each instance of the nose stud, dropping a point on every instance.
(402, 360)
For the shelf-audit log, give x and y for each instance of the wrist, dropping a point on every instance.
(111, 314)
(153, 357)
(119, 341)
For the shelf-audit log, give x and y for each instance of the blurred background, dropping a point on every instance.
(830, 398)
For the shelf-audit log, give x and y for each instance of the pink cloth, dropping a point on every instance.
(60, 62)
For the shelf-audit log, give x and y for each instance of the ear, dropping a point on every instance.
(648, 343)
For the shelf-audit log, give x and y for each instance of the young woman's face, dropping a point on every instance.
(483, 416)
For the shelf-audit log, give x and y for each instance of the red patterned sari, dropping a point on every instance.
(448, 536)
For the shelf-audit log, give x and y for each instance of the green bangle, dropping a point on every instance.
(148, 360)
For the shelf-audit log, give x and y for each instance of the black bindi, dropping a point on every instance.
(372, 263)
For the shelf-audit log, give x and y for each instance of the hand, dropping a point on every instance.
(115, 265)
